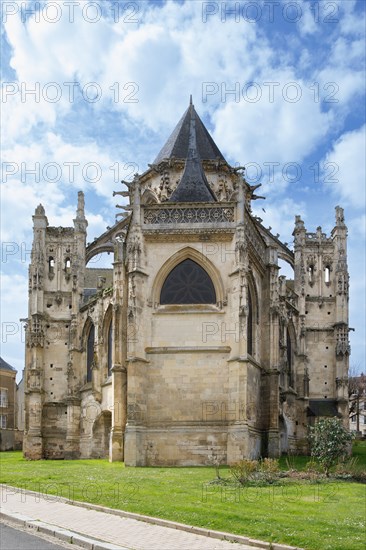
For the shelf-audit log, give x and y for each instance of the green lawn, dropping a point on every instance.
(359, 450)
(315, 516)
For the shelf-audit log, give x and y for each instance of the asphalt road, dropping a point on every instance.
(17, 539)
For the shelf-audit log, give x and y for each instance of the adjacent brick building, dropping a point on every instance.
(7, 405)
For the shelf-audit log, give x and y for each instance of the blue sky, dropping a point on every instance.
(280, 85)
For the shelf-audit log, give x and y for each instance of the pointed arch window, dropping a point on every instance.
(109, 351)
(90, 353)
(311, 274)
(188, 283)
(250, 324)
(51, 264)
(290, 380)
(327, 274)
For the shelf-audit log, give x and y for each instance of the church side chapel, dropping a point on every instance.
(192, 345)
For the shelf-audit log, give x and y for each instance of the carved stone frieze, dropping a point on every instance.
(173, 215)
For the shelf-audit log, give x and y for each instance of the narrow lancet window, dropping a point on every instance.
(90, 353)
(250, 324)
(109, 352)
(289, 359)
(311, 274)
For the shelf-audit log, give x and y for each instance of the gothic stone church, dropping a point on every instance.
(193, 345)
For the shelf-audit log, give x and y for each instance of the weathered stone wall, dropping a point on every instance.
(6, 439)
(181, 384)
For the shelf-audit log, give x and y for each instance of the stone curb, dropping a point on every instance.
(58, 532)
(166, 523)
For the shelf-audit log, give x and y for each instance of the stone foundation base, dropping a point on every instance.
(189, 445)
(116, 445)
(33, 447)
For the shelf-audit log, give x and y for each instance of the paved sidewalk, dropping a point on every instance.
(104, 529)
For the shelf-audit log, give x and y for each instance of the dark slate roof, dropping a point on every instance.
(88, 293)
(178, 143)
(92, 274)
(193, 186)
(323, 407)
(5, 366)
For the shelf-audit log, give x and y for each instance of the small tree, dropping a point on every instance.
(357, 396)
(329, 442)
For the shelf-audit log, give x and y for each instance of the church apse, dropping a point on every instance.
(192, 343)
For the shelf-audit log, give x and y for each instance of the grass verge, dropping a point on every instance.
(315, 516)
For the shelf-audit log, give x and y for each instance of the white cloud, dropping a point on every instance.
(14, 295)
(276, 129)
(307, 23)
(279, 215)
(352, 20)
(348, 160)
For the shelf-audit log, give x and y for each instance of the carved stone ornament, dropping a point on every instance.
(36, 334)
(40, 211)
(187, 215)
(342, 346)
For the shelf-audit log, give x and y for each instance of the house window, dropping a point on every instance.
(188, 283)
(67, 265)
(250, 324)
(3, 397)
(90, 353)
(51, 264)
(3, 421)
(327, 274)
(354, 418)
(109, 352)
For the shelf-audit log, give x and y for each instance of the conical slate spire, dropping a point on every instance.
(178, 143)
(193, 187)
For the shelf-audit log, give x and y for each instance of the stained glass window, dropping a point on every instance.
(90, 354)
(289, 359)
(188, 283)
(250, 324)
(110, 342)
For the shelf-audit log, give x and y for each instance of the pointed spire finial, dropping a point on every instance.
(190, 100)
(39, 210)
(80, 212)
